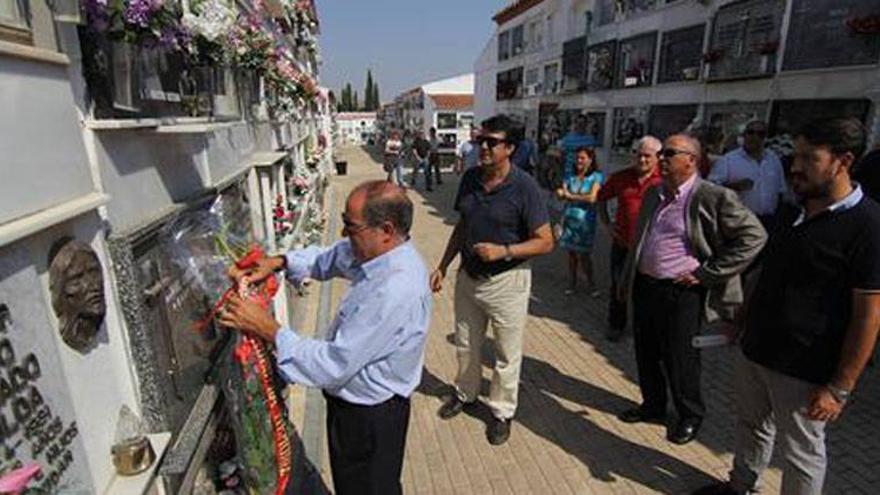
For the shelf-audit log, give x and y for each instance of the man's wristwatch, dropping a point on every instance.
(839, 394)
(508, 256)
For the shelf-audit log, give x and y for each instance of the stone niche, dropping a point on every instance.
(37, 417)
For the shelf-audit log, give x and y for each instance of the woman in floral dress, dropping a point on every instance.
(579, 217)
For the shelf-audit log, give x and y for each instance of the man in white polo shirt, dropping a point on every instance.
(754, 173)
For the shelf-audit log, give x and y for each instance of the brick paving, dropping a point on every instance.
(566, 438)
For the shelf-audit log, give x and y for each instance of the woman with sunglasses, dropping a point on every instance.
(579, 217)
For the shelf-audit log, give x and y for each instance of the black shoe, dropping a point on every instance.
(498, 431)
(684, 431)
(641, 415)
(614, 334)
(717, 488)
(451, 408)
(429, 189)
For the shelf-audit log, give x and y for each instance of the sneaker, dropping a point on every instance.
(451, 408)
(498, 431)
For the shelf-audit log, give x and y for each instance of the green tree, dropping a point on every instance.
(348, 104)
(377, 102)
(368, 92)
(354, 103)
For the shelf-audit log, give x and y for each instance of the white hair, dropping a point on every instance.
(649, 141)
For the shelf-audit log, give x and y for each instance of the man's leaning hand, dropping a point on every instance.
(437, 277)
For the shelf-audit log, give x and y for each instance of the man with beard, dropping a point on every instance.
(812, 320)
(503, 223)
(77, 286)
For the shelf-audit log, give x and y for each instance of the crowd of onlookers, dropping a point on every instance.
(785, 260)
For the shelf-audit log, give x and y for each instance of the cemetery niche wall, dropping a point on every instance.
(37, 418)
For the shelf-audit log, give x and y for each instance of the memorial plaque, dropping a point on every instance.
(681, 54)
(745, 39)
(725, 123)
(818, 35)
(787, 116)
(635, 61)
(629, 125)
(37, 418)
(666, 120)
(574, 58)
(509, 84)
(600, 66)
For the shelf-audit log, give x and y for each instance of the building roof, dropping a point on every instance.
(355, 115)
(453, 101)
(514, 9)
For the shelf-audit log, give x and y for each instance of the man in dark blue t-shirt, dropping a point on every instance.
(812, 319)
(503, 222)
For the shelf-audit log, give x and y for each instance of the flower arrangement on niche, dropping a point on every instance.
(868, 25)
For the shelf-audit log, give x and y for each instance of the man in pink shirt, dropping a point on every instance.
(693, 239)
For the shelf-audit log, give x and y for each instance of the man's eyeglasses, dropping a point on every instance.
(490, 141)
(668, 153)
(349, 227)
(755, 132)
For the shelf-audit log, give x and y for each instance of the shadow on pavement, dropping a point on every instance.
(598, 448)
(604, 453)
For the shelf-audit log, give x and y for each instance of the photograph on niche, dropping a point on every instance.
(77, 286)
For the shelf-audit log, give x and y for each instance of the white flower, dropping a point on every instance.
(210, 19)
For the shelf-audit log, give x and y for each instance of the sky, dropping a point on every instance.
(404, 42)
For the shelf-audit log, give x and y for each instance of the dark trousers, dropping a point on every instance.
(617, 307)
(432, 171)
(366, 445)
(667, 317)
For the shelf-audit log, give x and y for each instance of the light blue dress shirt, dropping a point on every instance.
(374, 347)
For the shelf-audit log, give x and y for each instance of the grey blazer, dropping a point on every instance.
(723, 234)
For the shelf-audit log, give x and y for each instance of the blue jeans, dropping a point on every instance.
(423, 167)
(397, 170)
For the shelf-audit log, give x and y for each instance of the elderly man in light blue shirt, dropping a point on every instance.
(754, 172)
(371, 360)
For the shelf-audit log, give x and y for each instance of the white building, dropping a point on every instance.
(446, 105)
(100, 145)
(356, 127)
(659, 67)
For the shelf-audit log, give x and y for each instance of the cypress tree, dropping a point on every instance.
(368, 92)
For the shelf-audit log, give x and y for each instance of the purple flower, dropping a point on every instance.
(139, 12)
(96, 14)
(174, 37)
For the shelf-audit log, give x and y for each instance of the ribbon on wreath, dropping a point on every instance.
(254, 350)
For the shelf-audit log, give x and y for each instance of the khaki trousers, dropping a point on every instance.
(772, 407)
(503, 300)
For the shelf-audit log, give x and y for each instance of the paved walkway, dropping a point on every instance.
(566, 438)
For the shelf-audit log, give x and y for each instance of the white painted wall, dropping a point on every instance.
(42, 159)
(461, 84)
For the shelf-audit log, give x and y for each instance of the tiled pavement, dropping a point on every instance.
(566, 438)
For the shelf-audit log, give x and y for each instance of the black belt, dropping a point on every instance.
(338, 401)
(653, 280)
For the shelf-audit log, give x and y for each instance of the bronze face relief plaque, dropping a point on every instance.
(77, 286)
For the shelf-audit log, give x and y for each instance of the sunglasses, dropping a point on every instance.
(753, 132)
(489, 141)
(668, 153)
(349, 227)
